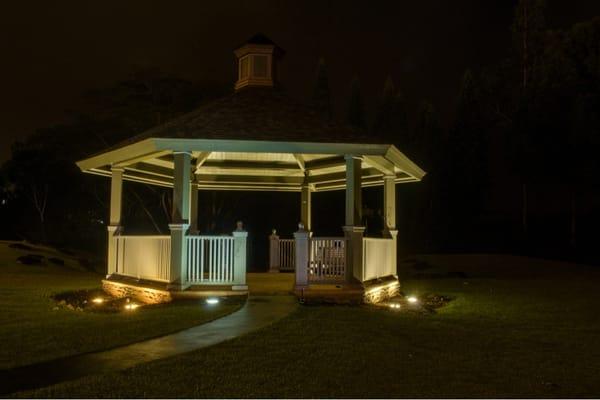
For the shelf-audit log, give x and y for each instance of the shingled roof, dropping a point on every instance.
(257, 114)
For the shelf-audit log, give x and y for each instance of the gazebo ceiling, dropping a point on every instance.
(254, 165)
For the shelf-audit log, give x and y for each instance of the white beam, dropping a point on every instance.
(305, 206)
(144, 157)
(300, 161)
(389, 203)
(116, 196)
(201, 157)
(353, 191)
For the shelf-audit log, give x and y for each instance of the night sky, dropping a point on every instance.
(54, 51)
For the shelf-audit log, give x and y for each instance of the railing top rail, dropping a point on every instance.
(328, 238)
(210, 237)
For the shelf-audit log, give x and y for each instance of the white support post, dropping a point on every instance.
(389, 219)
(353, 190)
(240, 237)
(394, 235)
(114, 224)
(389, 204)
(302, 238)
(353, 231)
(305, 206)
(180, 220)
(193, 207)
(274, 252)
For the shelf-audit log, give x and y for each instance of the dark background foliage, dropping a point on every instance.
(513, 169)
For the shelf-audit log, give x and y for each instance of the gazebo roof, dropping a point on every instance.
(257, 113)
(256, 138)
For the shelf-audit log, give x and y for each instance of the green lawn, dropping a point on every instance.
(518, 327)
(32, 331)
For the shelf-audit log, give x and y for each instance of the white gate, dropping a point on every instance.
(327, 259)
(210, 260)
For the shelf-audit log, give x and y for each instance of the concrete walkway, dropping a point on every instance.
(258, 312)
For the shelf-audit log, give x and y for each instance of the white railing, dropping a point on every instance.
(143, 257)
(379, 258)
(210, 260)
(287, 254)
(327, 259)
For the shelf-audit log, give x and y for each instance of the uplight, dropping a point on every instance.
(98, 300)
(131, 306)
(395, 305)
(412, 299)
(212, 300)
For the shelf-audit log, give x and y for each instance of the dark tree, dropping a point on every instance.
(356, 111)
(391, 122)
(321, 93)
(528, 31)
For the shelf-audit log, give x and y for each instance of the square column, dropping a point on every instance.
(240, 237)
(114, 224)
(353, 190)
(193, 207)
(389, 204)
(353, 231)
(301, 238)
(274, 251)
(305, 206)
(180, 220)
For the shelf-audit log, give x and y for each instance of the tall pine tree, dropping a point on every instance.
(356, 111)
(321, 93)
(391, 121)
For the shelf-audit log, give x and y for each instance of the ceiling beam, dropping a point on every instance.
(240, 164)
(151, 169)
(328, 162)
(279, 180)
(341, 176)
(143, 157)
(201, 157)
(300, 161)
(162, 162)
(381, 164)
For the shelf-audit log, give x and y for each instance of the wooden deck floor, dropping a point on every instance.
(265, 283)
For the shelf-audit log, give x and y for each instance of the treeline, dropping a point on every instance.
(46, 198)
(517, 169)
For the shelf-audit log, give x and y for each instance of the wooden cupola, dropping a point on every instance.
(256, 62)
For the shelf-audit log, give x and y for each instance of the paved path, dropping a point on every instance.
(259, 311)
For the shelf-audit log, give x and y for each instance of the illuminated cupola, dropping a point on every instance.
(256, 62)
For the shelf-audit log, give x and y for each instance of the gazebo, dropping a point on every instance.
(256, 138)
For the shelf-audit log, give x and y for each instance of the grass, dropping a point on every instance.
(517, 327)
(31, 330)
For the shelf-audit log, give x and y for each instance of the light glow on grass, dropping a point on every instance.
(412, 299)
(98, 300)
(212, 300)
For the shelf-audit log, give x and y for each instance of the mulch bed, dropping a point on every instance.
(83, 300)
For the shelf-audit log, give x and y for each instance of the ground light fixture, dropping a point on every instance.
(394, 305)
(131, 306)
(212, 300)
(98, 300)
(412, 299)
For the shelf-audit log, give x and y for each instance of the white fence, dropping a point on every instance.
(210, 260)
(143, 257)
(379, 258)
(327, 259)
(287, 254)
